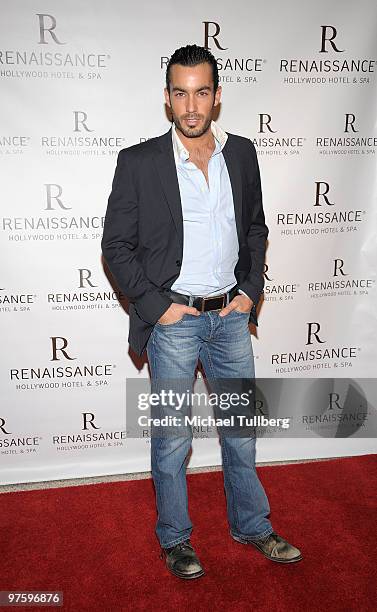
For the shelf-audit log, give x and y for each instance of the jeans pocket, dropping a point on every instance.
(239, 312)
(171, 324)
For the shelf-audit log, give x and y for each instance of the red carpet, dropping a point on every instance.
(96, 543)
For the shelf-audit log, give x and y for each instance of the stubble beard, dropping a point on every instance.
(193, 132)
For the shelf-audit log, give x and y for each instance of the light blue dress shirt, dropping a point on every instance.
(210, 242)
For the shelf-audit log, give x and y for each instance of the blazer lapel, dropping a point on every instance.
(235, 181)
(167, 171)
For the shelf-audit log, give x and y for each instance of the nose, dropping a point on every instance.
(191, 104)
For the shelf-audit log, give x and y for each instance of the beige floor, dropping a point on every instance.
(76, 482)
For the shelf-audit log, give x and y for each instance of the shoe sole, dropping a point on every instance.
(185, 576)
(294, 560)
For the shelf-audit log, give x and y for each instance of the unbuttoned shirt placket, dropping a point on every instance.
(209, 196)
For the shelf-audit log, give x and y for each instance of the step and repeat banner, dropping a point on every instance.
(81, 80)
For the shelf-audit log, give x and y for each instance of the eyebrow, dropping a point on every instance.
(204, 87)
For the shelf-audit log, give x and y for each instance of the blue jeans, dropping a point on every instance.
(223, 345)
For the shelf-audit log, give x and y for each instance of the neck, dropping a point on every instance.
(205, 141)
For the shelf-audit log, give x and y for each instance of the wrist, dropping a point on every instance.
(245, 295)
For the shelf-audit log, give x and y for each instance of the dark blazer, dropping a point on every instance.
(142, 240)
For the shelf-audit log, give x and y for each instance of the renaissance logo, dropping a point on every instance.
(270, 408)
(321, 221)
(15, 144)
(90, 437)
(16, 444)
(318, 357)
(67, 376)
(53, 60)
(236, 69)
(82, 142)
(51, 227)
(335, 408)
(340, 284)
(353, 144)
(16, 302)
(276, 145)
(333, 69)
(86, 297)
(278, 292)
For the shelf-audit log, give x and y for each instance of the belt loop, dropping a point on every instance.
(191, 299)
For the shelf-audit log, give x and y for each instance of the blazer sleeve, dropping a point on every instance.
(120, 241)
(256, 237)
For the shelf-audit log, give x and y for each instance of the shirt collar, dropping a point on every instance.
(180, 151)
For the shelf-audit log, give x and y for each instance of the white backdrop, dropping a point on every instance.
(79, 81)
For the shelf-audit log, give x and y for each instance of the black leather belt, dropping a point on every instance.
(214, 302)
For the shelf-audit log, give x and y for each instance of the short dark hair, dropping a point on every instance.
(192, 55)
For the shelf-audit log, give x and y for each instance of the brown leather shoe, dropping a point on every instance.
(274, 547)
(182, 561)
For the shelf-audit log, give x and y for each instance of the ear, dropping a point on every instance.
(167, 97)
(217, 96)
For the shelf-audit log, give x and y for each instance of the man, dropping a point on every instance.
(185, 239)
